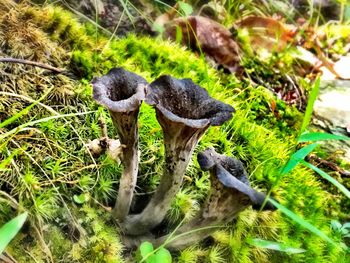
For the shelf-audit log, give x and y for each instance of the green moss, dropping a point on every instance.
(255, 135)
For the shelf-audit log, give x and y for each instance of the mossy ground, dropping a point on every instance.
(50, 164)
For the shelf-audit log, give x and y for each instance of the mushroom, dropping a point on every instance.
(185, 111)
(122, 92)
(230, 194)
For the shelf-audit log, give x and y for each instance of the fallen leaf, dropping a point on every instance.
(207, 36)
(266, 32)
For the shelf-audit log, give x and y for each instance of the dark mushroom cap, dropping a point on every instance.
(120, 90)
(181, 100)
(209, 158)
(230, 172)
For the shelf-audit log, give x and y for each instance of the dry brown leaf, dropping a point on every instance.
(207, 36)
(267, 32)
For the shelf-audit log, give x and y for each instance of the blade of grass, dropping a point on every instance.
(10, 230)
(8, 160)
(302, 222)
(310, 105)
(274, 246)
(23, 112)
(125, 7)
(320, 136)
(327, 177)
(297, 157)
(31, 123)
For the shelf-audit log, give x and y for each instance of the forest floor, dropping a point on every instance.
(264, 60)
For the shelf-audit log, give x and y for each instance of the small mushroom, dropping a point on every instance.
(230, 194)
(122, 92)
(185, 111)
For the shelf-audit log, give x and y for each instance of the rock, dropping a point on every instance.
(333, 104)
(332, 112)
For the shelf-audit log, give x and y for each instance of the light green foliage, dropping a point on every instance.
(10, 229)
(148, 254)
(310, 105)
(188, 255)
(320, 136)
(62, 168)
(297, 157)
(184, 205)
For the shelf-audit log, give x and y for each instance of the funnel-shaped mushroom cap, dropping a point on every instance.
(230, 172)
(119, 90)
(180, 100)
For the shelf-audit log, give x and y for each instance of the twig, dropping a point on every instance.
(33, 63)
(331, 165)
(7, 258)
(103, 126)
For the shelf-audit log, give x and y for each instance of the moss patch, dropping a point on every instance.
(52, 166)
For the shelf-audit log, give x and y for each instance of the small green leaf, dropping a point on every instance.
(336, 224)
(158, 28)
(146, 248)
(185, 8)
(163, 256)
(328, 178)
(297, 157)
(347, 13)
(310, 104)
(320, 136)
(344, 231)
(82, 198)
(8, 160)
(346, 225)
(275, 246)
(10, 230)
(178, 38)
(301, 221)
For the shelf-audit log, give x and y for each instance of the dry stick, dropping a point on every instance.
(103, 126)
(325, 61)
(314, 158)
(33, 63)
(7, 258)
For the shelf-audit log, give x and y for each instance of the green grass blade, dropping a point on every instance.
(275, 246)
(10, 230)
(124, 4)
(19, 128)
(328, 178)
(302, 222)
(297, 157)
(310, 105)
(4, 163)
(185, 8)
(22, 112)
(320, 136)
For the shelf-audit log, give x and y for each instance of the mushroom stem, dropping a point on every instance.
(122, 92)
(228, 197)
(180, 141)
(222, 206)
(126, 124)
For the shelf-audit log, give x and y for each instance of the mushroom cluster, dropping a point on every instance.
(185, 111)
